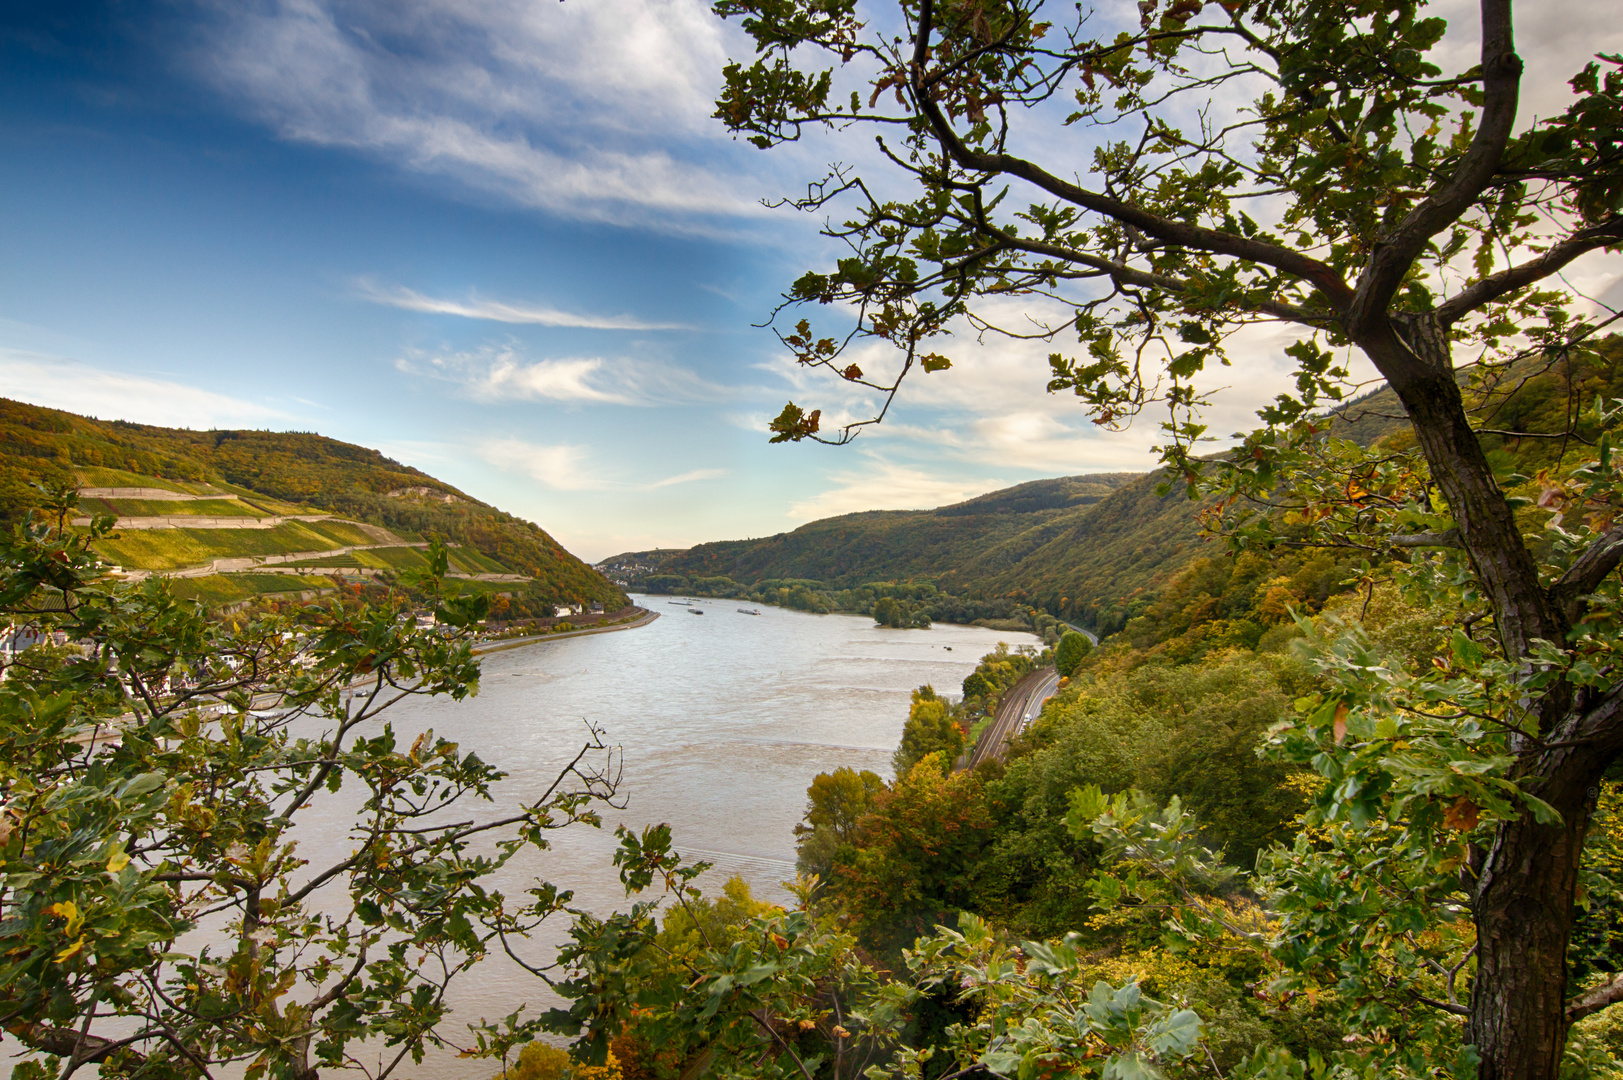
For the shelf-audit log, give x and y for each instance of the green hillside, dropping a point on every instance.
(232, 481)
(1100, 549)
(1070, 544)
(890, 544)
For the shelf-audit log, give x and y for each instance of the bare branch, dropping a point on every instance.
(1592, 1001)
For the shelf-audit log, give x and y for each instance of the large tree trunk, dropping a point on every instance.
(1420, 368)
(1524, 910)
(1524, 894)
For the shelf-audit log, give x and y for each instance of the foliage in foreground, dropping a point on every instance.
(165, 913)
(786, 994)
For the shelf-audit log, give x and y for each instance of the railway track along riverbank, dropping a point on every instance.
(1021, 704)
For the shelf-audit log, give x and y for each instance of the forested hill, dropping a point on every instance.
(888, 544)
(1099, 549)
(1094, 548)
(291, 472)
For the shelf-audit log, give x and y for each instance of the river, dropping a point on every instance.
(722, 719)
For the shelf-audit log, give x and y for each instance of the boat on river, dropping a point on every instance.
(695, 611)
(748, 611)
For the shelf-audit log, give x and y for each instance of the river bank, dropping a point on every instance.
(500, 646)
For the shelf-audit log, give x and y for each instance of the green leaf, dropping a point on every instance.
(1467, 652)
(1130, 1066)
(142, 784)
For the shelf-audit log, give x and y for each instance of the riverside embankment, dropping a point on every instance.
(514, 643)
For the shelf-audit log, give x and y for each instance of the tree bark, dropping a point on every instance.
(1417, 362)
(1526, 881)
(1524, 911)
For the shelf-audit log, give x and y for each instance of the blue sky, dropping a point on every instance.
(498, 240)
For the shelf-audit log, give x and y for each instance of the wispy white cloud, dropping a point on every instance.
(497, 311)
(596, 110)
(557, 380)
(561, 467)
(567, 467)
(498, 373)
(61, 383)
(688, 477)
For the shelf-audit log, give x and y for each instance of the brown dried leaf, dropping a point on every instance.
(1463, 815)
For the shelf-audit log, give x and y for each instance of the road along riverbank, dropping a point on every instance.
(499, 646)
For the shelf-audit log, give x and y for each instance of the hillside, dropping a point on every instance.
(1095, 548)
(886, 544)
(1100, 549)
(239, 513)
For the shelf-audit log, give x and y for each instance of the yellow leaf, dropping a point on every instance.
(117, 861)
(67, 909)
(71, 949)
(1341, 721)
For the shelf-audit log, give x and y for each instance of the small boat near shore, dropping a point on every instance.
(749, 611)
(695, 611)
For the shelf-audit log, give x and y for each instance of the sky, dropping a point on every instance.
(500, 241)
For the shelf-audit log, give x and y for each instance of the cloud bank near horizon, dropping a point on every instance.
(58, 382)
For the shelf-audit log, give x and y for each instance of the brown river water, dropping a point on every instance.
(722, 721)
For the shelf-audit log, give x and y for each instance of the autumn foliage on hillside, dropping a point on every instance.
(304, 469)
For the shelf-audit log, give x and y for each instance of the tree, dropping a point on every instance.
(1073, 647)
(1362, 194)
(930, 729)
(887, 612)
(835, 803)
(838, 800)
(789, 996)
(156, 783)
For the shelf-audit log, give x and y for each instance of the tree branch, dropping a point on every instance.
(1394, 253)
(1447, 538)
(1446, 1006)
(1588, 571)
(1508, 281)
(1593, 1001)
(1127, 275)
(1320, 274)
(770, 1030)
(65, 1043)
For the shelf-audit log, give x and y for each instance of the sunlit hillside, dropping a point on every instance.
(233, 514)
